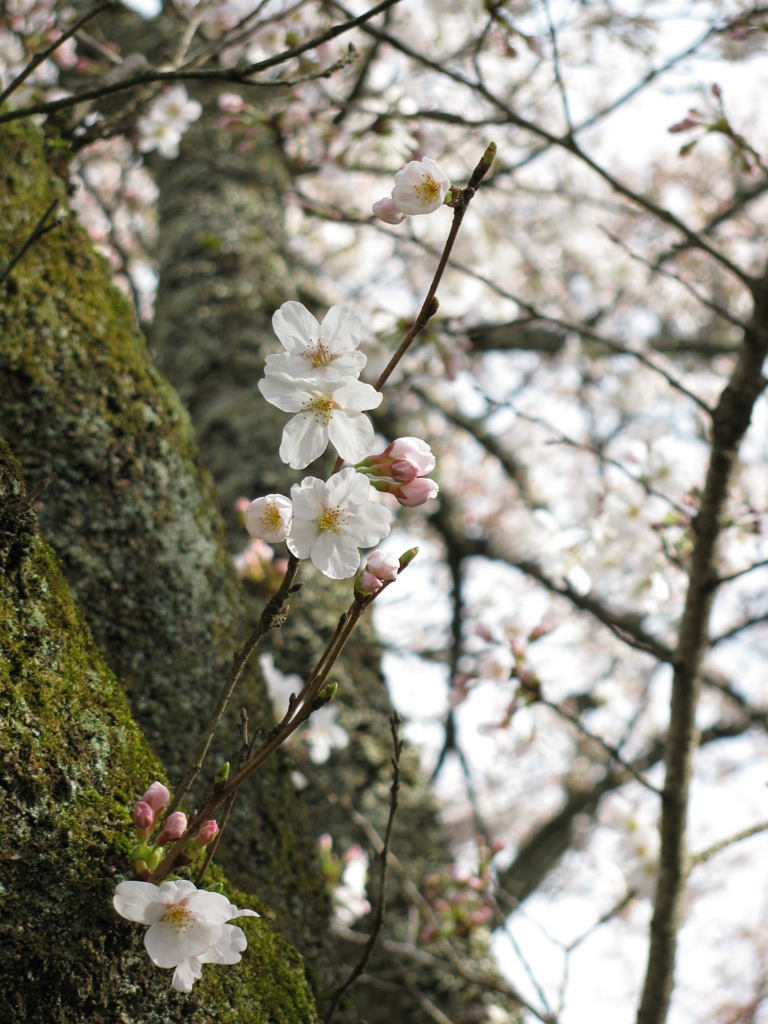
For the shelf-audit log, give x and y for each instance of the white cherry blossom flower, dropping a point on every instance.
(332, 520)
(420, 187)
(187, 926)
(315, 350)
(269, 518)
(330, 409)
(162, 127)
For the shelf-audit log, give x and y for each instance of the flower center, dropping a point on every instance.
(321, 407)
(270, 517)
(177, 917)
(334, 520)
(320, 355)
(429, 191)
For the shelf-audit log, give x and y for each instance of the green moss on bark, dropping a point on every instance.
(71, 763)
(134, 519)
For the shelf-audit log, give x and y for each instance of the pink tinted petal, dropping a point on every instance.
(138, 901)
(386, 210)
(351, 435)
(303, 441)
(295, 326)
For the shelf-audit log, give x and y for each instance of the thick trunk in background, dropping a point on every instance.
(71, 762)
(121, 494)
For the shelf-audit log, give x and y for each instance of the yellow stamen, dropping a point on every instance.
(334, 520)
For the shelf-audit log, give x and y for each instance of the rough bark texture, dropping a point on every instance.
(134, 518)
(71, 762)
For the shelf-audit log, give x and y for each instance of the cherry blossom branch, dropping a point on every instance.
(239, 76)
(378, 923)
(272, 617)
(430, 304)
(300, 708)
(567, 142)
(730, 421)
(43, 56)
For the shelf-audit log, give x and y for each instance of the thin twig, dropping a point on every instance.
(397, 748)
(40, 229)
(240, 76)
(40, 58)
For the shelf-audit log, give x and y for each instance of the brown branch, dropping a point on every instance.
(730, 421)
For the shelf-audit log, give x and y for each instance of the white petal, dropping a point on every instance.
(295, 326)
(347, 488)
(168, 944)
(302, 537)
(351, 434)
(228, 948)
(187, 973)
(211, 907)
(284, 392)
(371, 523)
(357, 396)
(304, 439)
(342, 329)
(336, 555)
(308, 498)
(138, 901)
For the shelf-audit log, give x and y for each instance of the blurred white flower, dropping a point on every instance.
(349, 902)
(164, 124)
(324, 734)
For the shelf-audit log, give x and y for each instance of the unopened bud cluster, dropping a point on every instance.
(461, 901)
(147, 816)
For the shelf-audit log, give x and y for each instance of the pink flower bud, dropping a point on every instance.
(416, 492)
(414, 449)
(231, 103)
(404, 470)
(382, 565)
(367, 584)
(208, 831)
(386, 210)
(157, 796)
(174, 827)
(143, 816)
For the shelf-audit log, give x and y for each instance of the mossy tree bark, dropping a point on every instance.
(109, 452)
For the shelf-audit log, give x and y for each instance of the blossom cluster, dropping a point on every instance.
(461, 901)
(147, 814)
(316, 379)
(166, 121)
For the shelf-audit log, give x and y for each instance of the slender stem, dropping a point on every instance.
(430, 305)
(37, 232)
(40, 58)
(378, 923)
(271, 618)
